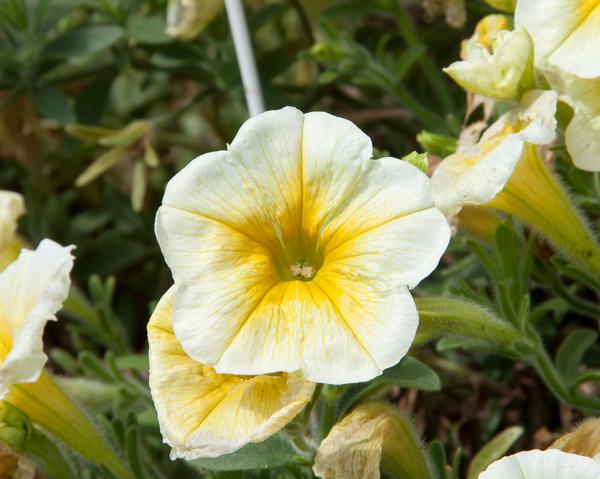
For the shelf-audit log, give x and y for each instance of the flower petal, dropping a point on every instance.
(477, 173)
(582, 138)
(32, 290)
(549, 464)
(205, 414)
(565, 33)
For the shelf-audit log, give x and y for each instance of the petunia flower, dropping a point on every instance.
(549, 464)
(498, 66)
(566, 33)
(12, 207)
(374, 434)
(205, 414)
(32, 290)
(475, 174)
(294, 250)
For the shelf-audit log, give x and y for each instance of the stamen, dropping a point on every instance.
(302, 270)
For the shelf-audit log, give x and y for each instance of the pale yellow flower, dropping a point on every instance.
(477, 173)
(293, 250)
(498, 66)
(373, 434)
(485, 30)
(549, 464)
(12, 207)
(205, 414)
(566, 33)
(32, 290)
(186, 19)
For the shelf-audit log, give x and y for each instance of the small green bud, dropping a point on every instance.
(438, 145)
(15, 426)
(420, 160)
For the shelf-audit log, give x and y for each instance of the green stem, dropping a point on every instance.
(451, 316)
(327, 412)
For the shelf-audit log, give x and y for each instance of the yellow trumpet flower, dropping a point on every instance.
(373, 434)
(32, 290)
(566, 33)
(549, 464)
(294, 251)
(205, 414)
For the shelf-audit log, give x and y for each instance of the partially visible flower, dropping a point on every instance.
(186, 19)
(566, 33)
(500, 67)
(13, 465)
(205, 414)
(485, 30)
(477, 173)
(32, 290)
(584, 440)
(373, 434)
(549, 464)
(582, 135)
(12, 207)
(293, 250)
(479, 222)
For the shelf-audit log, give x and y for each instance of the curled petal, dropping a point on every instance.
(205, 414)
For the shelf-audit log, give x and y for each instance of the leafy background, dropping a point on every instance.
(69, 66)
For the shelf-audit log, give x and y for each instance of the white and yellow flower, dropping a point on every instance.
(549, 464)
(293, 250)
(497, 65)
(12, 207)
(205, 414)
(374, 434)
(566, 33)
(32, 290)
(476, 173)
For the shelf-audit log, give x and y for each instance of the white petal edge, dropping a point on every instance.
(549, 464)
(32, 290)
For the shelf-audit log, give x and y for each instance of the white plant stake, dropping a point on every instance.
(245, 56)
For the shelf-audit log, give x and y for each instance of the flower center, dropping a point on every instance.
(301, 270)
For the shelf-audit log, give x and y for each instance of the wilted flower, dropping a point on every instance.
(205, 414)
(372, 434)
(186, 19)
(549, 464)
(293, 250)
(584, 440)
(15, 466)
(477, 173)
(566, 33)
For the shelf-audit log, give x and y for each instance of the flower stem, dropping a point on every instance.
(48, 406)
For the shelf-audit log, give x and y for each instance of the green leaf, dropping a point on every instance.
(101, 165)
(273, 452)
(572, 349)
(410, 373)
(148, 30)
(493, 450)
(85, 41)
(437, 453)
(52, 103)
(132, 361)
